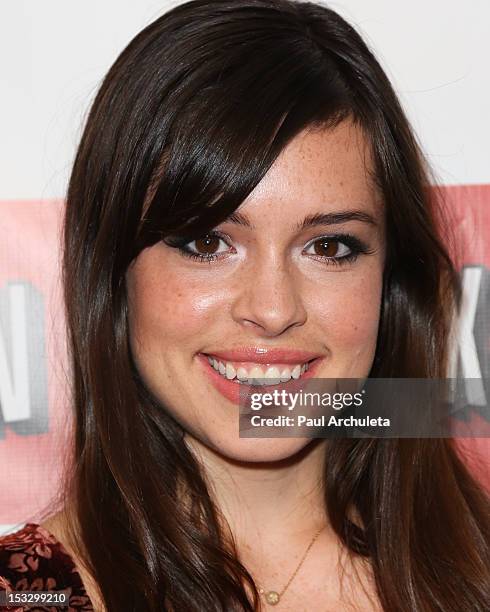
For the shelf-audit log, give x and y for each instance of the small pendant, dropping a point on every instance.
(272, 597)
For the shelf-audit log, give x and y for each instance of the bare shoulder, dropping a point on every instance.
(56, 525)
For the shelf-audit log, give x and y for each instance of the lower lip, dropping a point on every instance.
(231, 389)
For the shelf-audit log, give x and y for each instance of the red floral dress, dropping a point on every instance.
(32, 559)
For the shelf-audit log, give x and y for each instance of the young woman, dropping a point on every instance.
(248, 199)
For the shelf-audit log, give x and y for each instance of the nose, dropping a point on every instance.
(269, 299)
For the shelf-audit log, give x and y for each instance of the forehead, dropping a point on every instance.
(321, 169)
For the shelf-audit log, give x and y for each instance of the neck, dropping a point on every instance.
(268, 502)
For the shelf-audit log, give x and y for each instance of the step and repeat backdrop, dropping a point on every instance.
(53, 56)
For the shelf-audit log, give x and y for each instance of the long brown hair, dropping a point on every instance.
(186, 123)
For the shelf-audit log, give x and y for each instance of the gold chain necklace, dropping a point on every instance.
(274, 597)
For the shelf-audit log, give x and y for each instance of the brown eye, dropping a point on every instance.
(326, 248)
(207, 245)
(333, 250)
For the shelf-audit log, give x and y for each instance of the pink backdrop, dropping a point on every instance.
(34, 404)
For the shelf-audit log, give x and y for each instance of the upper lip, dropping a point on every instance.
(255, 354)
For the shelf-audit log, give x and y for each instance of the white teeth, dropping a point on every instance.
(257, 376)
(241, 373)
(230, 371)
(273, 375)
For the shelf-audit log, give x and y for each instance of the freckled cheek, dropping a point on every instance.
(177, 313)
(348, 314)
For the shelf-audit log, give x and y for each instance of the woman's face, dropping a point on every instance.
(274, 294)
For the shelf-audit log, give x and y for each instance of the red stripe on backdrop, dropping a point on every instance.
(469, 206)
(32, 448)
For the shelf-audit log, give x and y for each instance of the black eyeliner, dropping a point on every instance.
(357, 247)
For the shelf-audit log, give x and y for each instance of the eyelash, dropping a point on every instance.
(356, 246)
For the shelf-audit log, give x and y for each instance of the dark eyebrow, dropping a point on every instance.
(334, 218)
(331, 218)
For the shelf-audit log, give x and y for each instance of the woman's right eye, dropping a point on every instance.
(208, 247)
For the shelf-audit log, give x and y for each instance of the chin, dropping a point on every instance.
(255, 450)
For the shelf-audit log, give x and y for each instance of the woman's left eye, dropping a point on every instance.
(336, 250)
(329, 248)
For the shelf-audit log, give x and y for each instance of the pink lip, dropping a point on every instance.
(265, 356)
(231, 390)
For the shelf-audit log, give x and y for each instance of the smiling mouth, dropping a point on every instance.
(256, 374)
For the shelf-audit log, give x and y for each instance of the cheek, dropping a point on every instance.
(348, 311)
(168, 312)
